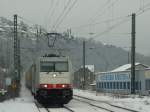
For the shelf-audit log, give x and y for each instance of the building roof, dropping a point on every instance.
(148, 68)
(127, 67)
(93, 84)
(90, 67)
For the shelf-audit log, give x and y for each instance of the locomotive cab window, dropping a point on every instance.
(54, 67)
(47, 67)
(61, 66)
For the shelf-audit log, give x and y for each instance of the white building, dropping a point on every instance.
(119, 79)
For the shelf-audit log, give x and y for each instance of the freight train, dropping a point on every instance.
(49, 79)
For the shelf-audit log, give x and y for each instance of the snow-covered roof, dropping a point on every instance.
(93, 84)
(90, 67)
(148, 68)
(126, 67)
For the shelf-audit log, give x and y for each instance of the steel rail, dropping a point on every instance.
(105, 103)
(68, 109)
(95, 105)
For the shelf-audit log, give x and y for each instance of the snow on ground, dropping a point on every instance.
(141, 104)
(25, 94)
(25, 103)
(14, 106)
(78, 106)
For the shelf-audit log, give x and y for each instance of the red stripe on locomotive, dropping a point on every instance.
(55, 86)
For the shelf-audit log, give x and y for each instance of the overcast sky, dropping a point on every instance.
(85, 12)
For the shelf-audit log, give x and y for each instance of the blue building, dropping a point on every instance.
(119, 80)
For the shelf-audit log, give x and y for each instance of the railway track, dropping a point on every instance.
(69, 109)
(41, 108)
(103, 105)
(100, 107)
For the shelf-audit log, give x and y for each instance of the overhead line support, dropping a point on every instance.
(17, 69)
(133, 54)
(84, 84)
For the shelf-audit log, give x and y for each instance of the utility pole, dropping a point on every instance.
(133, 55)
(84, 64)
(17, 69)
(69, 33)
(37, 40)
(128, 57)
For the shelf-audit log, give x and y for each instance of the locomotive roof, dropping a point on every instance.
(52, 55)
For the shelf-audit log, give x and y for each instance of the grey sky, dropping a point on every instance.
(85, 12)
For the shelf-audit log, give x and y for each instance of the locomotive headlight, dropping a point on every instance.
(54, 75)
(63, 85)
(45, 85)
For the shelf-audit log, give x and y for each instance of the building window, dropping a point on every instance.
(105, 85)
(147, 84)
(96, 85)
(117, 85)
(136, 85)
(114, 85)
(128, 85)
(120, 85)
(99, 84)
(124, 85)
(111, 87)
(140, 85)
(102, 85)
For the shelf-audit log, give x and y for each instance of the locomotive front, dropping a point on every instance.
(54, 80)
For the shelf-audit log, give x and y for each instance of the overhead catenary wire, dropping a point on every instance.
(101, 8)
(92, 23)
(141, 4)
(139, 12)
(33, 27)
(103, 11)
(23, 19)
(29, 21)
(144, 9)
(63, 12)
(112, 27)
(53, 12)
(98, 23)
(69, 9)
(63, 17)
(47, 15)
